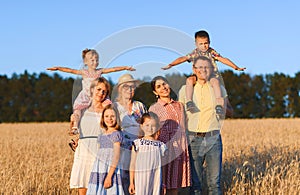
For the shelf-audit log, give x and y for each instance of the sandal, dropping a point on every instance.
(73, 145)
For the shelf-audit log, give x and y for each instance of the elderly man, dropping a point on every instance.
(204, 129)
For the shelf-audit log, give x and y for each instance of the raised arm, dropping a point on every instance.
(64, 69)
(116, 69)
(175, 62)
(229, 63)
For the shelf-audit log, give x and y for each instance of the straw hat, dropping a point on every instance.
(125, 78)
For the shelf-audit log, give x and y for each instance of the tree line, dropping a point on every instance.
(41, 97)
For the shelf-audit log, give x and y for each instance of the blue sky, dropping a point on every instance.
(261, 35)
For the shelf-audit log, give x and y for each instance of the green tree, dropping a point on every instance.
(293, 96)
(4, 98)
(21, 97)
(54, 98)
(277, 95)
(260, 102)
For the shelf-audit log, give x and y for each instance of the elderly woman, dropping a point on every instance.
(130, 113)
(89, 129)
(176, 163)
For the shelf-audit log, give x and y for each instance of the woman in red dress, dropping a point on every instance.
(176, 163)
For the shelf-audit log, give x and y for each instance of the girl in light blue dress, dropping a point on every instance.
(105, 177)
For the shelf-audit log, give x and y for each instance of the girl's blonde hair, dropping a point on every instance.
(93, 52)
(100, 80)
(118, 121)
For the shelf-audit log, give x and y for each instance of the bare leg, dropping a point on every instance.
(217, 89)
(189, 89)
(82, 191)
(77, 114)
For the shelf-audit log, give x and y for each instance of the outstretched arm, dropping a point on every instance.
(229, 63)
(175, 62)
(116, 69)
(64, 69)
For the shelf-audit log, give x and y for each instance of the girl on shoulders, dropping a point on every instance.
(89, 73)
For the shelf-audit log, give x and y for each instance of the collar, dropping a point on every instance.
(204, 53)
(163, 103)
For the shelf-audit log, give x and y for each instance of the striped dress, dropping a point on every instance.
(148, 174)
(176, 162)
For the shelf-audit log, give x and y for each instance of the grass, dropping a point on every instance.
(260, 156)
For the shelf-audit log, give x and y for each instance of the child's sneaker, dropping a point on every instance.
(219, 111)
(190, 106)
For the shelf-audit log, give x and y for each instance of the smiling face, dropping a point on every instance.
(162, 88)
(110, 118)
(203, 69)
(91, 60)
(150, 126)
(99, 92)
(202, 43)
(126, 90)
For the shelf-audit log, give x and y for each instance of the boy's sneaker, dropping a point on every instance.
(220, 111)
(190, 106)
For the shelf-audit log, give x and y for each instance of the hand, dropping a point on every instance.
(130, 68)
(167, 67)
(164, 190)
(73, 130)
(52, 68)
(240, 69)
(131, 189)
(107, 182)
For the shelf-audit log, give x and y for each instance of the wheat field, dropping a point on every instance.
(260, 156)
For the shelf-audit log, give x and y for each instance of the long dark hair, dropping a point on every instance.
(173, 95)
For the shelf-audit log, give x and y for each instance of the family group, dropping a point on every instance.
(123, 147)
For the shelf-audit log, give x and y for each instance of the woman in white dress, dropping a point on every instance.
(89, 129)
